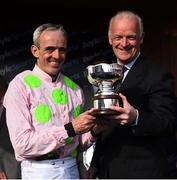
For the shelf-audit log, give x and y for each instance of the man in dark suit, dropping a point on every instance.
(9, 167)
(131, 146)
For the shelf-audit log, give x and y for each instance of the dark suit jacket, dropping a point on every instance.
(136, 151)
(8, 163)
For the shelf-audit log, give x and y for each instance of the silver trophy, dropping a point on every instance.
(104, 77)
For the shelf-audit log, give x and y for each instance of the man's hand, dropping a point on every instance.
(84, 122)
(126, 114)
(101, 125)
(2, 175)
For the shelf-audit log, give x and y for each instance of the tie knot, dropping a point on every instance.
(124, 68)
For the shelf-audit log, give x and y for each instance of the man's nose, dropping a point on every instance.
(56, 53)
(124, 42)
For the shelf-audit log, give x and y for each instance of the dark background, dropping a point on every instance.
(86, 21)
(83, 14)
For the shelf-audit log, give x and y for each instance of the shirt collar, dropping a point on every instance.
(43, 74)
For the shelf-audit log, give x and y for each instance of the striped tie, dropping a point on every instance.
(118, 84)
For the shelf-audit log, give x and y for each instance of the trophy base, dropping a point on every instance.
(102, 104)
(104, 112)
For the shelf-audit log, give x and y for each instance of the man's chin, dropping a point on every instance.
(125, 57)
(54, 72)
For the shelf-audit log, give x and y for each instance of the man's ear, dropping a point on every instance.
(110, 40)
(35, 51)
(142, 38)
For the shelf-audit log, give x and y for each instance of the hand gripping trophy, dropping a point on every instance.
(104, 76)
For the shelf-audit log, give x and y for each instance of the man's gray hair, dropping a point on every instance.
(46, 27)
(127, 14)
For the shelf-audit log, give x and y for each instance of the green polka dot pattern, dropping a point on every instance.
(69, 83)
(74, 153)
(69, 140)
(77, 111)
(59, 96)
(32, 81)
(42, 113)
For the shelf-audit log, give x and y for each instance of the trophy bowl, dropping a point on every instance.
(104, 76)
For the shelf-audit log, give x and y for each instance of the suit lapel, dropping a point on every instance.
(134, 74)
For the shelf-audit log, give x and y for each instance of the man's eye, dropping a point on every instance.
(49, 49)
(116, 38)
(131, 37)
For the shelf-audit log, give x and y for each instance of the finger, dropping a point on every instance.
(86, 113)
(117, 108)
(92, 109)
(123, 122)
(121, 95)
(88, 116)
(112, 107)
(124, 99)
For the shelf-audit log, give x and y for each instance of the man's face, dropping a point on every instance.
(125, 38)
(51, 52)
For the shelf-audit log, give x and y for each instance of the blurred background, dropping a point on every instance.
(86, 22)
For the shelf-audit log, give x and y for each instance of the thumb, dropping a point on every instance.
(124, 99)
